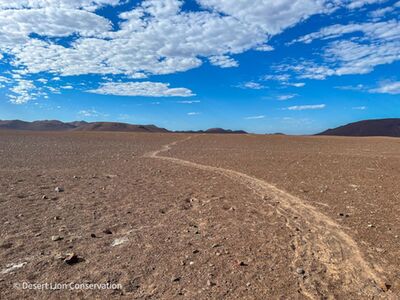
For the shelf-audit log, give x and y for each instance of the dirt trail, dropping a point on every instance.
(330, 259)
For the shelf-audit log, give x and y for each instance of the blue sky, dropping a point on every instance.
(292, 66)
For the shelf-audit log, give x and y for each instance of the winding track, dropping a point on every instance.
(334, 265)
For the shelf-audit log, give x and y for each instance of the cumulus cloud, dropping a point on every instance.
(22, 92)
(91, 113)
(286, 97)
(306, 107)
(145, 89)
(392, 88)
(78, 4)
(152, 38)
(251, 85)
(378, 45)
(223, 61)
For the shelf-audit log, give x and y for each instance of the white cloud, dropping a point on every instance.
(223, 61)
(255, 117)
(193, 113)
(251, 85)
(92, 113)
(84, 4)
(153, 38)
(23, 92)
(278, 77)
(188, 101)
(392, 88)
(271, 17)
(358, 87)
(265, 48)
(145, 89)
(352, 4)
(359, 108)
(380, 44)
(306, 107)
(297, 84)
(286, 97)
(4, 79)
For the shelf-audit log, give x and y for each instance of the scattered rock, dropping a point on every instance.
(92, 235)
(210, 283)
(44, 197)
(195, 251)
(59, 189)
(107, 231)
(72, 259)
(119, 241)
(344, 215)
(242, 264)
(12, 267)
(371, 225)
(215, 246)
(57, 218)
(176, 279)
(56, 238)
(300, 271)
(6, 245)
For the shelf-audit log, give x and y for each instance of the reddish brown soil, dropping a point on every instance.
(199, 219)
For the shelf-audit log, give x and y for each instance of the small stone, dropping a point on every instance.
(57, 218)
(248, 284)
(300, 271)
(72, 259)
(38, 234)
(56, 238)
(119, 241)
(210, 283)
(92, 235)
(107, 231)
(59, 189)
(44, 197)
(195, 251)
(242, 264)
(371, 226)
(176, 279)
(215, 246)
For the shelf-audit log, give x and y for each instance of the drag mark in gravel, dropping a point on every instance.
(332, 262)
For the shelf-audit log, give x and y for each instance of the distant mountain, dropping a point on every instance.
(221, 130)
(46, 125)
(122, 127)
(379, 127)
(215, 130)
(54, 125)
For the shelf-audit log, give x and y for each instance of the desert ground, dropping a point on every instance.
(199, 216)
